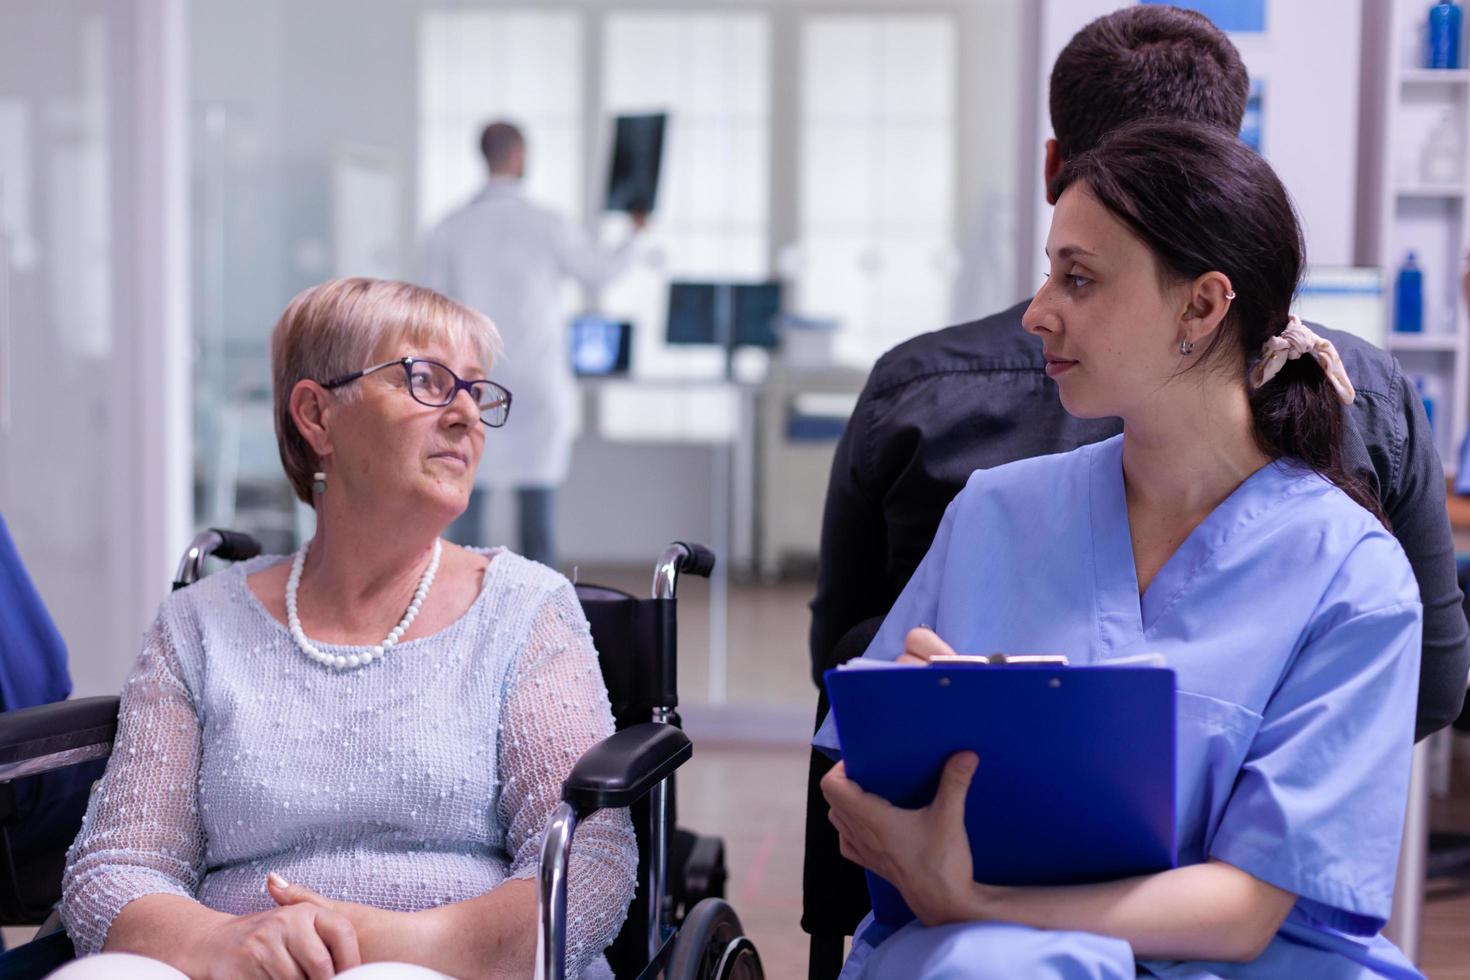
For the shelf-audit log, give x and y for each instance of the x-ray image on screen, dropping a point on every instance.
(599, 345)
(638, 146)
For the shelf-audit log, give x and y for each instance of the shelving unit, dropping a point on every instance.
(1402, 211)
(1423, 193)
(1434, 76)
(1440, 343)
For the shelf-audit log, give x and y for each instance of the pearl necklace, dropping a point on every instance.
(367, 656)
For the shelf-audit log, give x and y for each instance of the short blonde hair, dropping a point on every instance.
(334, 328)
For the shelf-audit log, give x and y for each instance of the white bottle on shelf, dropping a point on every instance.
(1441, 162)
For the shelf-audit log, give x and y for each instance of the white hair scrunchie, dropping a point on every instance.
(1292, 343)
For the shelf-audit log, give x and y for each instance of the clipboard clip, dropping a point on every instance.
(999, 658)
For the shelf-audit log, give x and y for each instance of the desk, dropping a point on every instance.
(659, 460)
(793, 473)
(658, 441)
(776, 485)
(663, 459)
(1459, 511)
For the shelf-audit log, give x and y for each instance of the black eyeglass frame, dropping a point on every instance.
(460, 384)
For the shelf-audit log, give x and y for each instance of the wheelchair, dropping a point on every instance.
(678, 927)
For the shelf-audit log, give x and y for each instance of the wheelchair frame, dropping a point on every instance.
(666, 748)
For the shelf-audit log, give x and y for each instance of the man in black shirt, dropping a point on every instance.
(973, 396)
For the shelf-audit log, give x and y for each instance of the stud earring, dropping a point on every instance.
(1186, 347)
(319, 482)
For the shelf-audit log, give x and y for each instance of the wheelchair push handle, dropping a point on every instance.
(678, 557)
(229, 545)
(699, 560)
(236, 545)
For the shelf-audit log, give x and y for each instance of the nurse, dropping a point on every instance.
(1219, 530)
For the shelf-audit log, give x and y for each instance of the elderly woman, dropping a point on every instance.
(347, 756)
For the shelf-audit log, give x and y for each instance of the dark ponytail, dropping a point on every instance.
(1204, 202)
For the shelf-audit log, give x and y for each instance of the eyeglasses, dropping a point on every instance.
(432, 384)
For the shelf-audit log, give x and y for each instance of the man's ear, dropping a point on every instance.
(311, 407)
(1052, 164)
(1206, 306)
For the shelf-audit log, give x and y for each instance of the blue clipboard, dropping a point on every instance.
(1076, 777)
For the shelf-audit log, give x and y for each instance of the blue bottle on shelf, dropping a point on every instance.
(1408, 298)
(1427, 390)
(1444, 36)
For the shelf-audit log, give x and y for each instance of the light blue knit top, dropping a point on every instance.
(421, 779)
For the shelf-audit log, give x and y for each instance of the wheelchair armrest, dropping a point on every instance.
(54, 736)
(620, 769)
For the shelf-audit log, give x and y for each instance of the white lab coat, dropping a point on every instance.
(506, 257)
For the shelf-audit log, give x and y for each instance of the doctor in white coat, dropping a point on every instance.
(507, 257)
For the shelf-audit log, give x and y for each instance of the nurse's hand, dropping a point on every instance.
(924, 853)
(920, 644)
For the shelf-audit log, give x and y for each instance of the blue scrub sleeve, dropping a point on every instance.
(33, 667)
(917, 604)
(1318, 806)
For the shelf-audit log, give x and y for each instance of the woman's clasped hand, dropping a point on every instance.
(304, 936)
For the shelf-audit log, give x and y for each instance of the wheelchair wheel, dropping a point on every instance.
(712, 945)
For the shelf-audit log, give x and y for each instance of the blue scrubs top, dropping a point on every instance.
(1292, 621)
(32, 655)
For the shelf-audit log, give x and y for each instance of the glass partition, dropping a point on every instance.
(329, 137)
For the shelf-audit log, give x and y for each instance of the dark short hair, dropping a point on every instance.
(1142, 62)
(498, 143)
(1202, 201)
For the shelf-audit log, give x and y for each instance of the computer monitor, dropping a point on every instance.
(1344, 298)
(757, 305)
(691, 313)
(632, 178)
(600, 346)
(724, 314)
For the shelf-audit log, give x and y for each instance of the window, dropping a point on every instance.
(711, 74)
(475, 66)
(877, 176)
